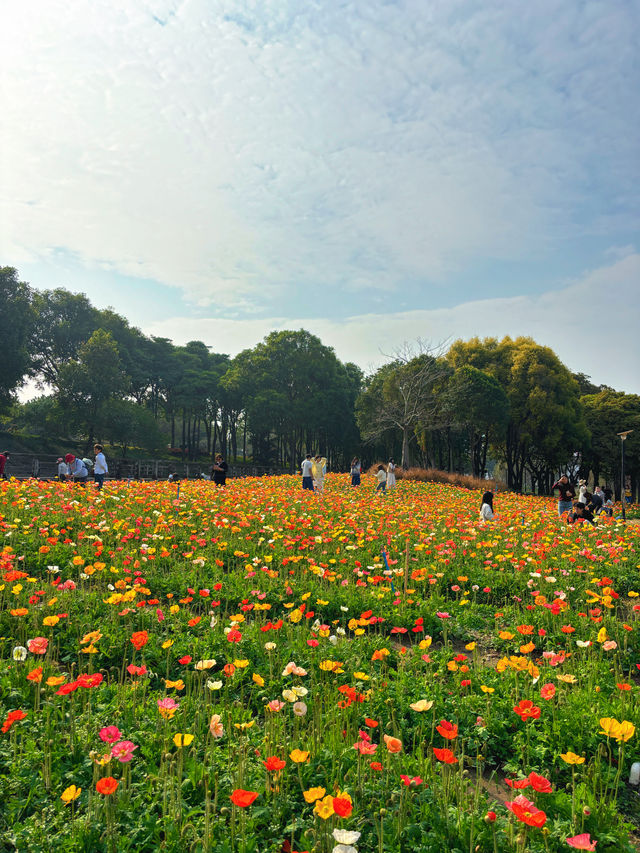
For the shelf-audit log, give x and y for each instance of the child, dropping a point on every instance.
(381, 477)
(486, 510)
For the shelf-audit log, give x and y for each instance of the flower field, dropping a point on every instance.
(259, 668)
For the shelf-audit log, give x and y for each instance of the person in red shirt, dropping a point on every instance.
(4, 458)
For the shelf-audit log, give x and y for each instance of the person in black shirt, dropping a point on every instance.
(580, 513)
(219, 471)
(566, 494)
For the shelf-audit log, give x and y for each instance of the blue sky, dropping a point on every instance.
(373, 171)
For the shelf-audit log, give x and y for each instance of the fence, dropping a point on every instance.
(45, 467)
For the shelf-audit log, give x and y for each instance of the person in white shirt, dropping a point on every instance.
(486, 510)
(100, 468)
(381, 477)
(307, 473)
(62, 469)
(391, 474)
(77, 470)
(582, 491)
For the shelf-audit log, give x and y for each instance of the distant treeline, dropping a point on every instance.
(481, 403)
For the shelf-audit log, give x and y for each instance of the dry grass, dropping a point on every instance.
(433, 475)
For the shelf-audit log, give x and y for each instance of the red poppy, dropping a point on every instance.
(518, 784)
(375, 765)
(525, 709)
(139, 639)
(548, 691)
(447, 730)
(274, 763)
(12, 717)
(526, 811)
(242, 798)
(445, 755)
(342, 806)
(411, 781)
(107, 786)
(88, 681)
(539, 783)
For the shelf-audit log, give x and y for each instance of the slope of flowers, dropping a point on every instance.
(258, 668)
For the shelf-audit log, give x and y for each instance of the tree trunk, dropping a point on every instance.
(406, 461)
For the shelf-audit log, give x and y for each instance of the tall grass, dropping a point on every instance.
(433, 475)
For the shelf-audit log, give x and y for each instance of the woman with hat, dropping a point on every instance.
(77, 470)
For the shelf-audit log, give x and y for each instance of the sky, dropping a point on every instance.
(374, 171)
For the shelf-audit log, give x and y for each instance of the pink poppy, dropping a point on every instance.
(38, 645)
(109, 734)
(582, 842)
(123, 751)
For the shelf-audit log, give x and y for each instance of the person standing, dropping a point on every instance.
(307, 472)
(486, 510)
(219, 471)
(381, 477)
(319, 470)
(77, 470)
(63, 470)
(100, 468)
(582, 491)
(566, 494)
(4, 458)
(391, 475)
(356, 470)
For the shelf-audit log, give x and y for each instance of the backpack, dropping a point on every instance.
(88, 464)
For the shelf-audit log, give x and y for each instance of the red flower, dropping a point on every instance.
(526, 811)
(445, 755)
(274, 763)
(375, 765)
(412, 781)
(242, 798)
(539, 783)
(548, 691)
(526, 709)
(185, 660)
(342, 806)
(107, 786)
(447, 730)
(88, 681)
(518, 784)
(12, 717)
(71, 687)
(234, 636)
(139, 639)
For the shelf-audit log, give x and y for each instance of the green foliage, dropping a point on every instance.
(16, 324)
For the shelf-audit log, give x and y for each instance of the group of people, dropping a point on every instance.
(587, 506)
(77, 469)
(314, 470)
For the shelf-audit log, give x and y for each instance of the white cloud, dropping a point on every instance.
(241, 150)
(585, 323)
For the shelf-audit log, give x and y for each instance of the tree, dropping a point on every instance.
(608, 413)
(64, 321)
(16, 326)
(546, 425)
(85, 387)
(478, 402)
(400, 397)
(128, 424)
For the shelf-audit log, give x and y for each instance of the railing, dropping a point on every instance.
(45, 467)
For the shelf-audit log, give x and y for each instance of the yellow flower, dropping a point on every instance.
(567, 678)
(258, 679)
(324, 808)
(424, 644)
(314, 794)
(179, 684)
(70, 794)
(244, 726)
(470, 646)
(296, 615)
(486, 689)
(55, 680)
(329, 665)
(167, 644)
(90, 650)
(609, 726)
(50, 621)
(182, 740)
(602, 635)
(241, 664)
(361, 676)
(298, 756)
(205, 664)
(421, 705)
(626, 731)
(506, 635)
(571, 758)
